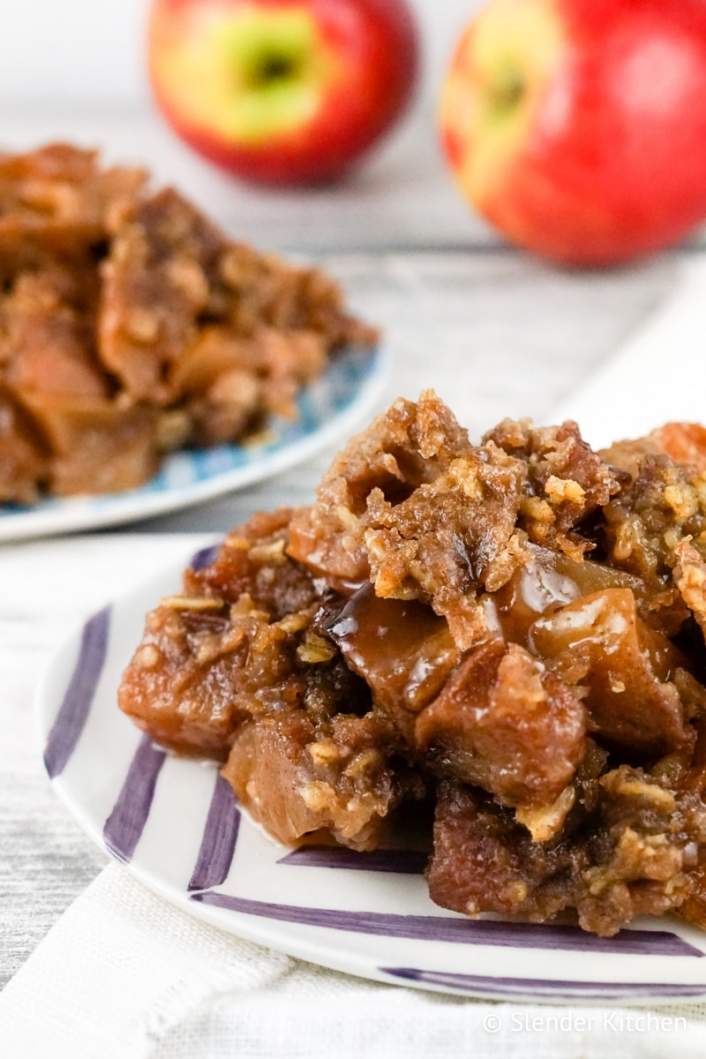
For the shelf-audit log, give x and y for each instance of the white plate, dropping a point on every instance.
(177, 826)
(328, 410)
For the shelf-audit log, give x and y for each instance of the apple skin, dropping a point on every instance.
(578, 127)
(360, 59)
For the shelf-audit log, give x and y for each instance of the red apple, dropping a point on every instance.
(578, 127)
(282, 91)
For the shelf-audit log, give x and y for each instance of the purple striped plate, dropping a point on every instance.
(175, 824)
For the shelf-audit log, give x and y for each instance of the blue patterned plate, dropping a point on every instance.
(176, 824)
(328, 410)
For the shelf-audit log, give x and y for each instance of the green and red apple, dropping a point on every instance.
(282, 91)
(578, 127)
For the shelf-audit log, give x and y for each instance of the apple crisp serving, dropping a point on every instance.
(131, 326)
(507, 636)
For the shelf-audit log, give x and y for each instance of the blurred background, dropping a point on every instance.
(77, 69)
(496, 331)
(84, 42)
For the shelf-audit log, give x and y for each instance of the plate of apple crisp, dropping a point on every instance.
(147, 361)
(454, 715)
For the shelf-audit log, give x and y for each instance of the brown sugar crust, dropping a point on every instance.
(565, 481)
(130, 325)
(505, 636)
(423, 513)
(631, 853)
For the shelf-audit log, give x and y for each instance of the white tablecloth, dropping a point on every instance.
(123, 975)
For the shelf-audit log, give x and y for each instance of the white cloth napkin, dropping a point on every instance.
(124, 975)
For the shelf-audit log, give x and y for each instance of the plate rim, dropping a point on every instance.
(50, 522)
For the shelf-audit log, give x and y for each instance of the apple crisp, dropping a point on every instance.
(506, 637)
(130, 325)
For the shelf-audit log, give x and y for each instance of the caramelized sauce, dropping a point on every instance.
(606, 625)
(405, 651)
(600, 641)
(548, 581)
(401, 648)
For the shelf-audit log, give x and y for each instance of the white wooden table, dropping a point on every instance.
(495, 332)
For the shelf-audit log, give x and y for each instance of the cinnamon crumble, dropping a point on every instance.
(509, 633)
